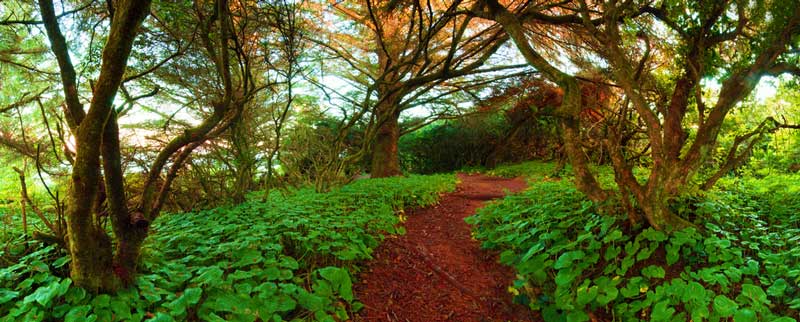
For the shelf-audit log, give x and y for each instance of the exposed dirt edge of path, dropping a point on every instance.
(436, 271)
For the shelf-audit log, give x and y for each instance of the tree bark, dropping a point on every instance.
(657, 212)
(385, 153)
(129, 230)
(244, 156)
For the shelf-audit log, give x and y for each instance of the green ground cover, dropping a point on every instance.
(742, 262)
(287, 259)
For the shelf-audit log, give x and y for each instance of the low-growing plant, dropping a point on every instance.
(575, 264)
(290, 258)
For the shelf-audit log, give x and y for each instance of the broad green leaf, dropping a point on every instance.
(778, 288)
(101, 301)
(653, 271)
(211, 276)
(75, 295)
(585, 295)
(78, 314)
(607, 294)
(751, 268)
(340, 281)
(44, 294)
(248, 257)
(612, 252)
(699, 312)
(310, 301)
(61, 261)
(745, 315)
(673, 253)
(754, 293)
(228, 302)
(724, 306)
(7, 295)
(694, 291)
(633, 287)
(654, 235)
(566, 259)
(121, 309)
(612, 236)
(161, 317)
(784, 319)
(536, 248)
(566, 276)
(662, 311)
(577, 316)
(189, 297)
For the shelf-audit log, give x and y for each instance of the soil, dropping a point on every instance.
(436, 271)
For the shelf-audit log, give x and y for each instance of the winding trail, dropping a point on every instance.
(436, 271)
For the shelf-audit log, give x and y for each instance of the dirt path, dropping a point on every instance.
(436, 271)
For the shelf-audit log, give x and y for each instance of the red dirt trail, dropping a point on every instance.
(436, 271)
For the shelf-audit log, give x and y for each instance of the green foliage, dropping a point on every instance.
(743, 264)
(497, 135)
(449, 145)
(777, 152)
(290, 258)
(534, 170)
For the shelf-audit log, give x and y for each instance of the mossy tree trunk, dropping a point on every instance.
(385, 152)
(244, 156)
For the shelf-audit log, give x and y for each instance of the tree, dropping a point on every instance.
(94, 132)
(285, 61)
(413, 49)
(570, 108)
(97, 187)
(628, 37)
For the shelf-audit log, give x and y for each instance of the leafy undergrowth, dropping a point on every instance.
(288, 259)
(574, 264)
(533, 170)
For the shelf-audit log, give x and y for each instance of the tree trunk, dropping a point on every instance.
(129, 229)
(658, 214)
(244, 156)
(129, 245)
(89, 245)
(385, 154)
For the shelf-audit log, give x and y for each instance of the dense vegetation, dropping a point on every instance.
(576, 261)
(207, 159)
(290, 257)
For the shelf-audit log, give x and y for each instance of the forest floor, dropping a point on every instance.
(437, 271)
